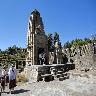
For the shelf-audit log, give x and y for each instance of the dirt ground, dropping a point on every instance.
(80, 84)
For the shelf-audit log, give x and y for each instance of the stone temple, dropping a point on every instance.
(37, 45)
(38, 57)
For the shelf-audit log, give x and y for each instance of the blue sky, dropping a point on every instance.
(70, 18)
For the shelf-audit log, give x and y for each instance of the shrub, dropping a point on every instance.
(21, 78)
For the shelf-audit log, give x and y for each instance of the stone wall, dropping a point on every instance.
(31, 72)
(84, 57)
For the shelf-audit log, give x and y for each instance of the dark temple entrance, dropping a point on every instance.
(41, 56)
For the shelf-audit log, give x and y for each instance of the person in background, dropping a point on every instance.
(3, 79)
(12, 78)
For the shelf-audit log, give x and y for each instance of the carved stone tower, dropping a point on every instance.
(37, 45)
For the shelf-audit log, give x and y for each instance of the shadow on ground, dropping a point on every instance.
(19, 91)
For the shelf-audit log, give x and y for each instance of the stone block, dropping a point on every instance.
(61, 78)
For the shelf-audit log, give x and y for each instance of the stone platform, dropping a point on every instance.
(35, 73)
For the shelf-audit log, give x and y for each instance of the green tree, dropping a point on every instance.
(11, 54)
(87, 40)
(56, 37)
(50, 42)
(67, 44)
(77, 42)
(93, 37)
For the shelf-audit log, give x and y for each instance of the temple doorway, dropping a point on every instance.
(41, 56)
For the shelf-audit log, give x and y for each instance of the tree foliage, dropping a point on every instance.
(77, 42)
(50, 42)
(52, 39)
(12, 54)
(56, 37)
(93, 37)
(67, 44)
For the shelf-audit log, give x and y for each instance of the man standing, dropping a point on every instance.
(12, 77)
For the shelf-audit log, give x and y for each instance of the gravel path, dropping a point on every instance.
(69, 87)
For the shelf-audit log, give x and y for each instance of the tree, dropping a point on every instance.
(56, 37)
(67, 44)
(11, 54)
(50, 42)
(77, 42)
(87, 40)
(93, 36)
